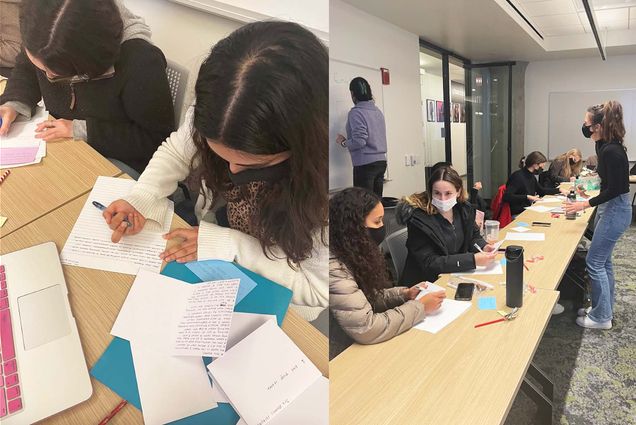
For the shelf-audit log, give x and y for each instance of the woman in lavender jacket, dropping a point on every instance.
(366, 138)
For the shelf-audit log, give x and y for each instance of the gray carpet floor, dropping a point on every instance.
(593, 371)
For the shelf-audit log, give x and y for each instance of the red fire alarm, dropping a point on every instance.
(386, 79)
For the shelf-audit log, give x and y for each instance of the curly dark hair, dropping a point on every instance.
(264, 90)
(350, 243)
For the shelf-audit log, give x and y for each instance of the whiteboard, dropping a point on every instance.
(312, 14)
(340, 75)
(566, 113)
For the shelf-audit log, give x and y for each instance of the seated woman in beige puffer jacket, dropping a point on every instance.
(363, 305)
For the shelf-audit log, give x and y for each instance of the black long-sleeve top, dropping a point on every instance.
(127, 116)
(520, 184)
(613, 167)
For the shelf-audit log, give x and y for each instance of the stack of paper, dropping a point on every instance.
(89, 243)
(20, 147)
(170, 324)
(525, 236)
(268, 380)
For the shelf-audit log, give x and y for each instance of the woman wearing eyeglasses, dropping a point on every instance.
(100, 77)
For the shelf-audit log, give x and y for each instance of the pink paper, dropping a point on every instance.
(10, 156)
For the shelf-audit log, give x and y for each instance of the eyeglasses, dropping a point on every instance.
(79, 78)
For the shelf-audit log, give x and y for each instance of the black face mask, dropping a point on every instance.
(269, 174)
(587, 131)
(537, 171)
(377, 234)
(572, 161)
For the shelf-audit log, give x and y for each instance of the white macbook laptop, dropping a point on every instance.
(42, 366)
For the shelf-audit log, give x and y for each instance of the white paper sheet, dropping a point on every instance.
(264, 374)
(525, 236)
(170, 388)
(520, 229)
(89, 243)
(431, 288)
(449, 311)
(541, 208)
(174, 317)
(492, 268)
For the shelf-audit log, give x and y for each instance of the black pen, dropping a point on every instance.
(102, 208)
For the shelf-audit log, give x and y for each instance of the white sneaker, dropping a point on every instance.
(583, 311)
(558, 309)
(586, 322)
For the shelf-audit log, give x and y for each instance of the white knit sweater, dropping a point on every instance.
(171, 164)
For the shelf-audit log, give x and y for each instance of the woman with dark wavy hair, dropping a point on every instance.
(605, 126)
(363, 303)
(256, 139)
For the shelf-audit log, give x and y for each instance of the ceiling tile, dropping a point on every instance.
(550, 7)
(556, 20)
(563, 30)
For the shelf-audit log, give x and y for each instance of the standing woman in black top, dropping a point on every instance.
(101, 79)
(604, 125)
(522, 188)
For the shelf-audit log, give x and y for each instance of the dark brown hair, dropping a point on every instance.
(610, 116)
(72, 37)
(535, 157)
(424, 200)
(350, 243)
(264, 90)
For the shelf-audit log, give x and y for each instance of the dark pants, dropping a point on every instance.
(370, 176)
(6, 72)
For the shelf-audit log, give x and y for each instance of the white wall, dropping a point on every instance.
(185, 35)
(360, 38)
(586, 74)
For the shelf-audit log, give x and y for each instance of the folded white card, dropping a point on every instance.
(525, 236)
(264, 374)
(175, 317)
(170, 388)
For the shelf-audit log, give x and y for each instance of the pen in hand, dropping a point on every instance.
(102, 208)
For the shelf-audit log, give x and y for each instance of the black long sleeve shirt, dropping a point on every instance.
(520, 184)
(613, 167)
(127, 116)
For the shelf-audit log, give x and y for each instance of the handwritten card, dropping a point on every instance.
(205, 324)
(171, 316)
(264, 374)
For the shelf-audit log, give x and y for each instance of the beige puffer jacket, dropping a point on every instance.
(355, 320)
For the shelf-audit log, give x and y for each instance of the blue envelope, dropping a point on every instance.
(115, 367)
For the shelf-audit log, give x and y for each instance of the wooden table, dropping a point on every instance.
(96, 297)
(461, 375)
(68, 171)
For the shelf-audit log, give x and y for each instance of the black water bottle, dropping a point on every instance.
(514, 276)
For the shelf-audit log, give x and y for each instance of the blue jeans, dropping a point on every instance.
(612, 219)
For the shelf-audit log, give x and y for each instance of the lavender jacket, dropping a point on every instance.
(366, 134)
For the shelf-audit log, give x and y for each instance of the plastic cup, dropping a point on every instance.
(491, 231)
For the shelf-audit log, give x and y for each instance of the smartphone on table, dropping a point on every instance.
(464, 291)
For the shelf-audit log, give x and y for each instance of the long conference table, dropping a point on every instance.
(462, 374)
(42, 203)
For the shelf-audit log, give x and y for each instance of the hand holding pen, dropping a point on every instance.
(122, 218)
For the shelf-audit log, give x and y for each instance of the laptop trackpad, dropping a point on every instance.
(43, 316)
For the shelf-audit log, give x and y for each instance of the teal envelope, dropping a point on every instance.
(115, 367)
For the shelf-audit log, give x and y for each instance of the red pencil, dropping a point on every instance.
(487, 323)
(113, 413)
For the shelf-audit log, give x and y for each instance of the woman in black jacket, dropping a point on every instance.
(442, 233)
(522, 188)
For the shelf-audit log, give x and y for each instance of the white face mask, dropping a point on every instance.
(444, 206)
